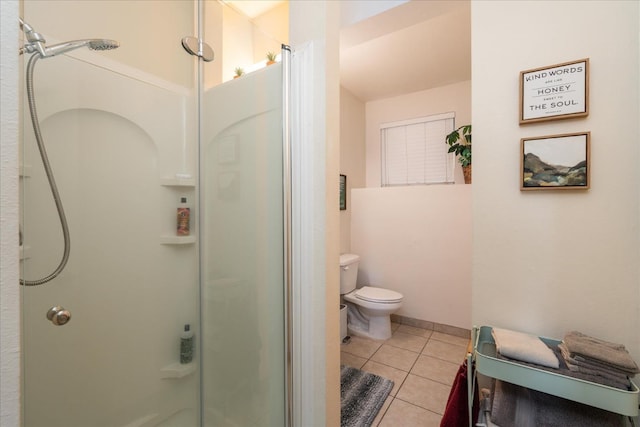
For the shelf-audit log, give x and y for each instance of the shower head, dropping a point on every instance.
(93, 44)
(103, 44)
(36, 43)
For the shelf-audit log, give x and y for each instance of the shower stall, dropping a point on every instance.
(129, 133)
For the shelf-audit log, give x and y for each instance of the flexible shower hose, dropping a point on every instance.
(49, 172)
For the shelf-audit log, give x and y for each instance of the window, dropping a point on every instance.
(414, 151)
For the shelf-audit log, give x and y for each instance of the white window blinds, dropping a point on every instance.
(415, 152)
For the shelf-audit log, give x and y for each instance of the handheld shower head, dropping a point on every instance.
(36, 43)
(93, 44)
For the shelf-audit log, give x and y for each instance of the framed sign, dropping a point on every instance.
(556, 92)
(555, 162)
(343, 192)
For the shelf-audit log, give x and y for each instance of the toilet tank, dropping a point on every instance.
(348, 272)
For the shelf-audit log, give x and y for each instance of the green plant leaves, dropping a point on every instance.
(462, 147)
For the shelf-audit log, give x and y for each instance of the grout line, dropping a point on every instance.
(367, 360)
(418, 406)
(386, 410)
(422, 407)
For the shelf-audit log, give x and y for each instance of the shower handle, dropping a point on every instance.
(58, 315)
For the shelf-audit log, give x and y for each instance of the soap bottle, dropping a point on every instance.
(186, 345)
(184, 213)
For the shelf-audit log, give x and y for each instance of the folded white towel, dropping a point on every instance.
(524, 347)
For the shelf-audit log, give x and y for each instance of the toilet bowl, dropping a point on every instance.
(369, 307)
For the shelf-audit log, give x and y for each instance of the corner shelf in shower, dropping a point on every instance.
(182, 183)
(178, 370)
(24, 252)
(178, 182)
(25, 171)
(169, 239)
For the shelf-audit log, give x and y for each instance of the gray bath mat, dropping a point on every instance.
(362, 394)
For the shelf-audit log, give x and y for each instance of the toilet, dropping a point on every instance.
(369, 307)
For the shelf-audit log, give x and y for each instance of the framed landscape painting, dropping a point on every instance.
(555, 162)
(343, 192)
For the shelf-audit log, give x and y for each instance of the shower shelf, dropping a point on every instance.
(25, 171)
(178, 370)
(24, 252)
(178, 182)
(169, 239)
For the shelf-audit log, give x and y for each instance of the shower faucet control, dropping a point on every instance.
(58, 315)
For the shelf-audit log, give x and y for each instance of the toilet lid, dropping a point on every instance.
(368, 293)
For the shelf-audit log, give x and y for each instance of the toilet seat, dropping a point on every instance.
(379, 295)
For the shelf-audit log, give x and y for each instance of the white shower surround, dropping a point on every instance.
(110, 153)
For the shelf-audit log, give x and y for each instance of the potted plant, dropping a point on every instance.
(271, 58)
(459, 142)
(239, 72)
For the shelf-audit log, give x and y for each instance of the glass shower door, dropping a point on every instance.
(242, 252)
(120, 130)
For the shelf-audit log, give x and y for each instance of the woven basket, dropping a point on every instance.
(467, 174)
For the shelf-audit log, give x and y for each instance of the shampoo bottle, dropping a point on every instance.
(186, 345)
(184, 214)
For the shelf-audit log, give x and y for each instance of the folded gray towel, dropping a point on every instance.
(564, 370)
(578, 363)
(515, 406)
(622, 384)
(603, 365)
(600, 351)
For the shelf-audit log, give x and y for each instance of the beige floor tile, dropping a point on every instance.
(434, 369)
(382, 411)
(349, 359)
(403, 414)
(451, 339)
(443, 350)
(425, 393)
(393, 374)
(407, 341)
(395, 357)
(361, 347)
(422, 373)
(406, 329)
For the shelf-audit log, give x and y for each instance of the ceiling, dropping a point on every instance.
(418, 45)
(253, 8)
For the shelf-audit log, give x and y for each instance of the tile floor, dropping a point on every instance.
(421, 363)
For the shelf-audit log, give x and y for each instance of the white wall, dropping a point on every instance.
(352, 155)
(141, 45)
(314, 30)
(213, 35)
(271, 29)
(417, 241)
(353, 11)
(246, 41)
(237, 43)
(10, 313)
(455, 97)
(548, 262)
